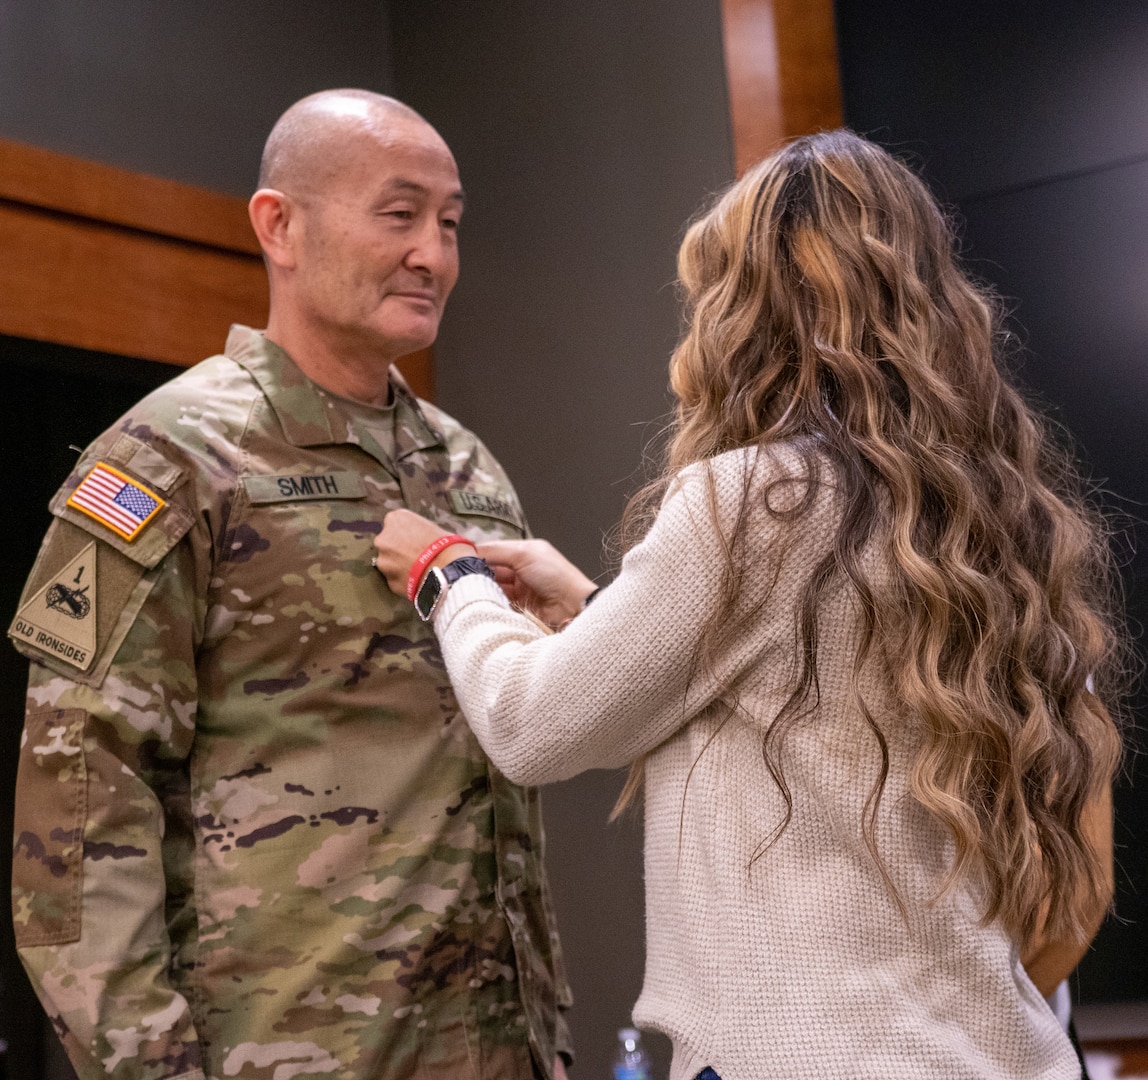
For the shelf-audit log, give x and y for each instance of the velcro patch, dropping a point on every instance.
(301, 487)
(113, 499)
(480, 504)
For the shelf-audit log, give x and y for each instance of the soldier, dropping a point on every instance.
(255, 837)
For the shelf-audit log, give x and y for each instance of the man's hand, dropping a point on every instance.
(404, 538)
(536, 576)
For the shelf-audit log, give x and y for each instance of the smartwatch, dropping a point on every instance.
(437, 581)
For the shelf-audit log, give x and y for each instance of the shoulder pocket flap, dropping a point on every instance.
(145, 538)
(141, 460)
(303, 487)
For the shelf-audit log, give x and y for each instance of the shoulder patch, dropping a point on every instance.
(79, 603)
(116, 500)
(61, 618)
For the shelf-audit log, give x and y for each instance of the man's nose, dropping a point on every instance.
(433, 250)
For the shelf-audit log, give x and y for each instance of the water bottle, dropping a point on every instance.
(631, 1062)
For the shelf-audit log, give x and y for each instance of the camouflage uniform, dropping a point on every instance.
(255, 837)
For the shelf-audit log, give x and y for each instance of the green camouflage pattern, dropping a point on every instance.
(255, 837)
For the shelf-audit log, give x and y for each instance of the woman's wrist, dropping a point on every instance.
(579, 595)
(448, 555)
(432, 556)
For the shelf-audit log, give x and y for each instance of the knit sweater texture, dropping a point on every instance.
(787, 960)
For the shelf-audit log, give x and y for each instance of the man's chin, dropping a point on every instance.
(410, 339)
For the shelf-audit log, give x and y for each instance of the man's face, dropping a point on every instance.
(378, 251)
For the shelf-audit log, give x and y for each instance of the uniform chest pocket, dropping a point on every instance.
(294, 519)
(298, 553)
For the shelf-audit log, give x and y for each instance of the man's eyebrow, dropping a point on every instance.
(399, 184)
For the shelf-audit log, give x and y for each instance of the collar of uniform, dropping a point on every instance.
(303, 412)
(413, 431)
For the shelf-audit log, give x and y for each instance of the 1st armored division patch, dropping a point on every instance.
(122, 504)
(60, 621)
(61, 617)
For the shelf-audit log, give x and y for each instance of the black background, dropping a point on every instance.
(1030, 120)
(57, 398)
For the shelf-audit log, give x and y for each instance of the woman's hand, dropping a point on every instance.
(537, 577)
(404, 538)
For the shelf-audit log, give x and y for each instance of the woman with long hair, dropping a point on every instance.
(858, 658)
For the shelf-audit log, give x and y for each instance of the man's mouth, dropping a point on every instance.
(418, 295)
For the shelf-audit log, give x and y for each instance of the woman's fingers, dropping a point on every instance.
(404, 537)
(505, 552)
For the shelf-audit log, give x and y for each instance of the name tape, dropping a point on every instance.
(301, 487)
(480, 504)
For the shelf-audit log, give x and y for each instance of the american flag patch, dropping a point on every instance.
(115, 500)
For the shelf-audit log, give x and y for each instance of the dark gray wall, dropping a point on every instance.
(586, 134)
(1030, 116)
(182, 90)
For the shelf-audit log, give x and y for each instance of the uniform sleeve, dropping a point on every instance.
(564, 996)
(494, 510)
(103, 825)
(620, 679)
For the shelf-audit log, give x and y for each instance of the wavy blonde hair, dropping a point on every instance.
(825, 306)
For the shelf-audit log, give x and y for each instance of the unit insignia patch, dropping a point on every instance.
(61, 618)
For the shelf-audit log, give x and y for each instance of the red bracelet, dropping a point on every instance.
(418, 567)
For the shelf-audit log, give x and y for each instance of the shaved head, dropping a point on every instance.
(357, 212)
(311, 140)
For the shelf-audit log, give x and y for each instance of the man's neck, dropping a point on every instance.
(358, 373)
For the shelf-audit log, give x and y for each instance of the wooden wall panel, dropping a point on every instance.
(88, 189)
(101, 258)
(418, 370)
(782, 71)
(98, 286)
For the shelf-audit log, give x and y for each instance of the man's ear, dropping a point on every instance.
(271, 212)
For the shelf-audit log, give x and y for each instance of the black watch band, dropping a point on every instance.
(437, 581)
(468, 564)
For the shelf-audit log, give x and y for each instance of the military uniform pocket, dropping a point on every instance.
(51, 807)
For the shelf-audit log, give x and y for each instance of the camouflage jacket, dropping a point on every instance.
(255, 837)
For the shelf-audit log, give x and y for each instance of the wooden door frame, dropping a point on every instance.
(782, 73)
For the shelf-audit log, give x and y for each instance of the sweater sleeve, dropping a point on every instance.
(620, 679)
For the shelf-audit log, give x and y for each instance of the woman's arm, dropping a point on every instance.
(538, 578)
(1048, 961)
(621, 678)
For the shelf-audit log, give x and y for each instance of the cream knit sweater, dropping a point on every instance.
(796, 964)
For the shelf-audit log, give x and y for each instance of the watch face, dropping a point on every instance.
(429, 592)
